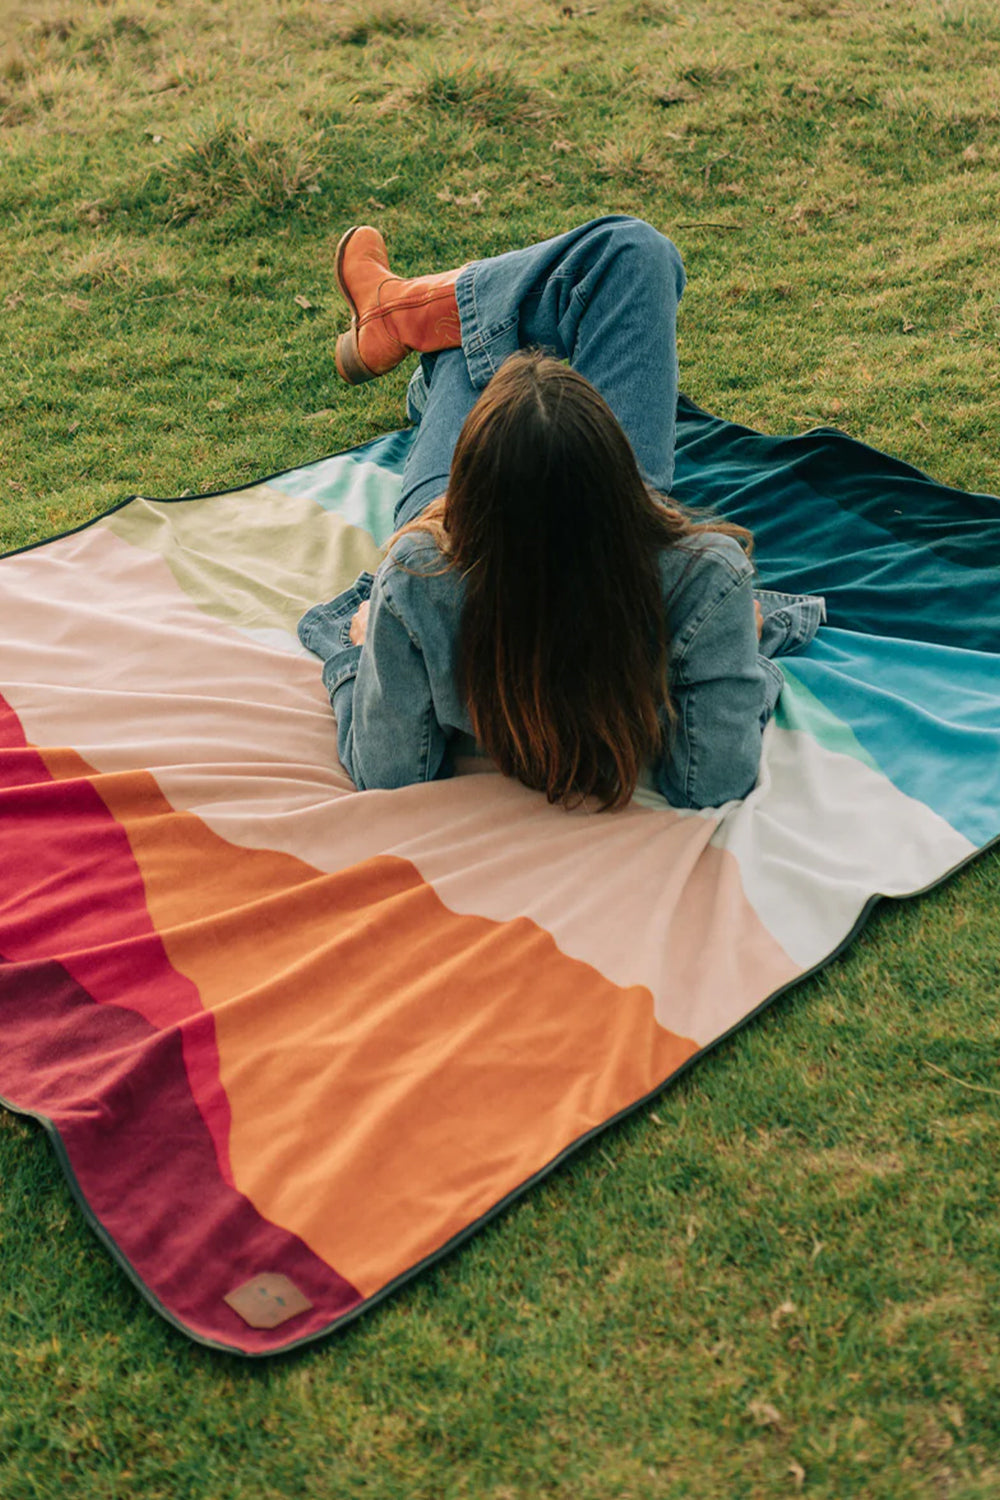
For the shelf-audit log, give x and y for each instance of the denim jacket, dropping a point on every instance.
(398, 710)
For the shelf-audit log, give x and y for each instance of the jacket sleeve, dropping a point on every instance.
(724, 692)
(790, 620)
(387, 732)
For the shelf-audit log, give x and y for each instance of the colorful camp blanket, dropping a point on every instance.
(292, 1042)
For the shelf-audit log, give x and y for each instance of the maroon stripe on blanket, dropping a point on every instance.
(117, 1092)
(71, 890)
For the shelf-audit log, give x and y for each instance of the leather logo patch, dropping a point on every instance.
(267, 1300)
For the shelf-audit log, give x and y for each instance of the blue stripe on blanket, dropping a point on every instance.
(917, 708)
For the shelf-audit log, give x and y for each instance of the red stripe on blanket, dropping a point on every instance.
(117, 1091)
(71, 891)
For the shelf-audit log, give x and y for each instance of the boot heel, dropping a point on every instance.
(350, 366)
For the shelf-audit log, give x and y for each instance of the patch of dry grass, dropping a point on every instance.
(486, 94)
(227, 165)
(391, 18)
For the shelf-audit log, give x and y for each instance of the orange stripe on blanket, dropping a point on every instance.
(394, 1069)
(431, 1063)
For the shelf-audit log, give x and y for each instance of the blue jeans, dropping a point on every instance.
(604, 297)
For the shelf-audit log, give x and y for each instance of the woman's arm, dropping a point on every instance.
(723, 690)
(387, 732)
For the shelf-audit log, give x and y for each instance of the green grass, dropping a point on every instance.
(783, 1278)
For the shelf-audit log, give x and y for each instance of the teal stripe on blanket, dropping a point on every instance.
(894, 552)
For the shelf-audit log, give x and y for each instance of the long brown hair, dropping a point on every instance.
(563, 654)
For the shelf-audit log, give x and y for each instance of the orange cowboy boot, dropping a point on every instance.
(390, 315)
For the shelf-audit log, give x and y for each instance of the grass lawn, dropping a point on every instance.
(784, 1278)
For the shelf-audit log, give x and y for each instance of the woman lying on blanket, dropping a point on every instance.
(540, 594)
